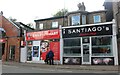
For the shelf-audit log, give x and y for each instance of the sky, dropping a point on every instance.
(27, 11)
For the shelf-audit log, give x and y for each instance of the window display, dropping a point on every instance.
(29, 51)
(71, 42)
(72, 47)
(35, 51)
(102, 46)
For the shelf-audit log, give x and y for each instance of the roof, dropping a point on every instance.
(20, 24)
(51, 18)
(78, 11)
(98, 11)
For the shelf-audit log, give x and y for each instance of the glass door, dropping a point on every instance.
(86, 58)
(86, 54)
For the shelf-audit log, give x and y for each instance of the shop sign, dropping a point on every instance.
(2, 40)
(48, 34)
(95, 30)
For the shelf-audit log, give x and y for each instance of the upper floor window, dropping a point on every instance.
(37, 25)
(41, 26)
(75, 20)
(97, 19)
(83, 19)
(54, 24)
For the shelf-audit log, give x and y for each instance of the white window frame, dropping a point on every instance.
(99, 18)
(72, 20)
(83, 19)
(55, 24)
(41, 26)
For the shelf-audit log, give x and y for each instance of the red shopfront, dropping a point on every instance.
(40, 42)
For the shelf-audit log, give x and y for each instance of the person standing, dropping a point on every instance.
(51, 59)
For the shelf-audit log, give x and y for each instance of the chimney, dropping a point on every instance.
(1, 13)
(81, 7)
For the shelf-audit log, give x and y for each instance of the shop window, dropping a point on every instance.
(54, 24)
(83, 19)
(75, 20)
(35, 51)
(97, 19)
(102, 46)
(29, 51)
(72, 51)
(71, 42)
(72, 47)
(41, 26)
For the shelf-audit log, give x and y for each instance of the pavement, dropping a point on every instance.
(58, 66)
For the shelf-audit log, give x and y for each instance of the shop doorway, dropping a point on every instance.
(86, 52)
(12, 53)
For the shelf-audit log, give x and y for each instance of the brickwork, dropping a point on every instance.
(11, 32)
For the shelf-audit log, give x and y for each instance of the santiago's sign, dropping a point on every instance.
(95, 30)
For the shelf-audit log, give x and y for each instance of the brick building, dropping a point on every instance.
(12, 36)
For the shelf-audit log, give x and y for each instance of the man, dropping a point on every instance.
(51, 55)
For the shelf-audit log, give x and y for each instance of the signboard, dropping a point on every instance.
(95, 30)
(40, 35)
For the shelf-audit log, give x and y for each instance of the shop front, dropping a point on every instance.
(40, 42)
(90, 44)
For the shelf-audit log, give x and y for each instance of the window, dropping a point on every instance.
(75, 20)
(97, 19)
(54, 24)
(37, 25)
(41, 26)
(83, 19)
(102, 46)
(72, 47)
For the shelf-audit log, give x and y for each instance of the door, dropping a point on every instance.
(12, 53)
(86, 54)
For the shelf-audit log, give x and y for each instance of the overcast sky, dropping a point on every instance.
(27, 11)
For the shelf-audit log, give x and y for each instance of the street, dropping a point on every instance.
(29, 69)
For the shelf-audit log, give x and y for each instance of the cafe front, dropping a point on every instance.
(94, 44)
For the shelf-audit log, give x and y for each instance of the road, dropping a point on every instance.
(29, 69)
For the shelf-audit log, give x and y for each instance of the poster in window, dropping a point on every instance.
(72, 60)
(35, 51)
(44, 48)
(102, 60)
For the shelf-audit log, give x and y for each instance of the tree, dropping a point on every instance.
(61, 12)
